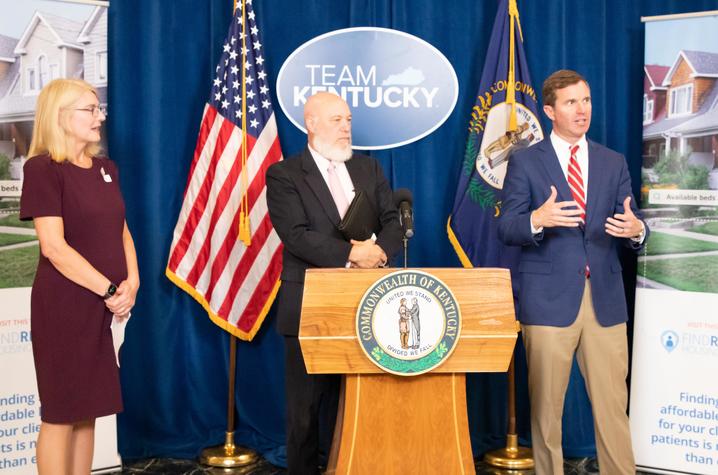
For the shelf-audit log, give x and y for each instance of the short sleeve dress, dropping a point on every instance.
(77, 375)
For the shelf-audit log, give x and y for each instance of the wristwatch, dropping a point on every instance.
(110, 291)
(639, 239)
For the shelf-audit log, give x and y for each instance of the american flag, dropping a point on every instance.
(235, 282)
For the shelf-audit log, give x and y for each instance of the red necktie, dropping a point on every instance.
(575, 182)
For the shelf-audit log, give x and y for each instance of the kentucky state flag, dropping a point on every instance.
(503, 120)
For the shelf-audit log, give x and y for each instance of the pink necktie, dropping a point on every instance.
(335, 188)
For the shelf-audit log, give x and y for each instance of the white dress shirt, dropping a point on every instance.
(341, 168)
(563, 152)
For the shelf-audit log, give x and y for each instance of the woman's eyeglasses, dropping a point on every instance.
(94, 110)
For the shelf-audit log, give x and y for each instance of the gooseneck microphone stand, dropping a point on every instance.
(405, 242)
(403, 200)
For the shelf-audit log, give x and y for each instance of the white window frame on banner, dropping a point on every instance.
(681, 104)
(647, 109)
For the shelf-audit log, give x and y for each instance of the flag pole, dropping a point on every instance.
(512, 456)
(230, 455)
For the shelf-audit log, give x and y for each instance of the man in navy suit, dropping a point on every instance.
(567, 202)
(307, 196)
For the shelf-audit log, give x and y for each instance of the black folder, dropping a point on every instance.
(360, 220)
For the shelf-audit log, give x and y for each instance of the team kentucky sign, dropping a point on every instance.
(399, 87)
(408, 322)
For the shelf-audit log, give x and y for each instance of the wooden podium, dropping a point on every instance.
(404, 424)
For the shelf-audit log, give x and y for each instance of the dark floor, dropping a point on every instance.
(182, 467)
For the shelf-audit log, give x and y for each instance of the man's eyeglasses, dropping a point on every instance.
(94, 110)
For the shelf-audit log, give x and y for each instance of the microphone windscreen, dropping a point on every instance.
(402, 194)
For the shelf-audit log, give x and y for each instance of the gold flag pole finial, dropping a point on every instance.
(514, 12)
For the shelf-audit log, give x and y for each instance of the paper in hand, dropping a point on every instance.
(118, 333)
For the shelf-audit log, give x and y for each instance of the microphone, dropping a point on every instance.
(403, 200)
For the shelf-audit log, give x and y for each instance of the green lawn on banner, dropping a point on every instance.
(13, 220)
(661, 243)
(695, 274)
(708, 228)
(7, 239)
(18, 266)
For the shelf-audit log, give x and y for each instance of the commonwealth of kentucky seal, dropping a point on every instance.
(498, 143)
(408, 322)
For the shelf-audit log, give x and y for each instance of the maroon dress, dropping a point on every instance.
(77, 376)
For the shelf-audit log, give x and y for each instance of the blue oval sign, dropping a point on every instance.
(399, 87)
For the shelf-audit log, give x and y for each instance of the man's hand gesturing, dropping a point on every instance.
(626, 224)
(556, 213)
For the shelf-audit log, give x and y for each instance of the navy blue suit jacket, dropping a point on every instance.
(552, 264)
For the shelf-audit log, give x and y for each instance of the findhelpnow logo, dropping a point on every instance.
(399, 87)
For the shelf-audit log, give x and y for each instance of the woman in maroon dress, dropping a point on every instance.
(87, 273)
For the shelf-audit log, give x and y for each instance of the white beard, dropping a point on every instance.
(332, 152)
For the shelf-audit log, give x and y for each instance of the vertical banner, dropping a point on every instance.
(39, 41)
(674, 388)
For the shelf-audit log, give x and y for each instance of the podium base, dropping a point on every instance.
(510, 457)
(228, 455)
(427, 414)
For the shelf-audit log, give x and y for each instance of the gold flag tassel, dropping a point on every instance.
(512, 458)
(245, 234)
(511, 80)
(230, 456)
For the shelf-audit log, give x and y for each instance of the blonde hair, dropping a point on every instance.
(50, 134)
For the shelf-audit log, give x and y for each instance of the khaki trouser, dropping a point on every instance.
(602, 354)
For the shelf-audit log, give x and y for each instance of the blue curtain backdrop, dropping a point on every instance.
(163, 54)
